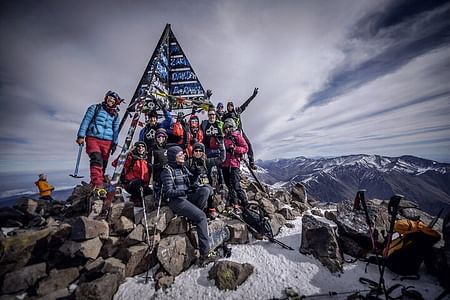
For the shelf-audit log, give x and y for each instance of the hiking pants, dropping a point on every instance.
(233, 182)
(98, 151)
(192, 208)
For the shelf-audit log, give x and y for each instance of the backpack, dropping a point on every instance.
(407, 252)
(254, 216)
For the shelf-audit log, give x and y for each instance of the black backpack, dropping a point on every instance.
(255, 216)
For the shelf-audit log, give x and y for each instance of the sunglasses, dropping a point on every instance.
(212, 115)
(198, 150)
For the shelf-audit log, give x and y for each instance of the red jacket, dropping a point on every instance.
(135, 170)
(233, 158)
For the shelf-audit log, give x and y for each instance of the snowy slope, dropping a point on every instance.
(275, 269)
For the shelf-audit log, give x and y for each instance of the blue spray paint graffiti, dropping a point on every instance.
(183, 76)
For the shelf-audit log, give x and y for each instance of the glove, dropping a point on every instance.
(113, 148)
(80, 141)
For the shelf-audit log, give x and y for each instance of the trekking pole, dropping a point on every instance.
(75, 174)
(271, 239)
(146, 225)
(392, 210)
(254, 175)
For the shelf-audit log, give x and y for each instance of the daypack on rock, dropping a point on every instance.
(254, 216)
(407, 252)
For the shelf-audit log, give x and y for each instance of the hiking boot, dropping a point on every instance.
(203, 260)
(252, 165)
(228, 211)
(212, 213)
(100, 192)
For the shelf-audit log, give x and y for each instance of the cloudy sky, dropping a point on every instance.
(335, 77)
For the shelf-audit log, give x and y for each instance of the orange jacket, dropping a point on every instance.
(45, 189)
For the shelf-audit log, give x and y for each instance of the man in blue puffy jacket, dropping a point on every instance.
(100, 131)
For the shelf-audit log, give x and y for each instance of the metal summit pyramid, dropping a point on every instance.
(170, 74)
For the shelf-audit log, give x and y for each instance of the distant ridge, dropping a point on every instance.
(424, 181)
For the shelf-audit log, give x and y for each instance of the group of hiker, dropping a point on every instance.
(173, 157)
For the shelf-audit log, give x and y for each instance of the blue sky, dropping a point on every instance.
(335, 77)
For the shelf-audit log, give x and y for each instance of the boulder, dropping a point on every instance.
(10, 217)
(16, 250)
(218, 233)
(298, 193)
(102, 288)
(283, 196)
(175, 253)
(114, 265)
(85, 229)
(123, 225)
(276, 221)
(79, 199)
(238, 232)
(125, 209)
(26, 205)
(177, 225)
(161, 222)
(319, 239)
(88, 249)
(110, 246)
(228, 275)
(24, 278)
(136, 259)
(136, 236)
(163, 280)
(56, 280)
(288, 213)
(267, 206)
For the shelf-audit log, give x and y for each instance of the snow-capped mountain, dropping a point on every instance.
(334, 179)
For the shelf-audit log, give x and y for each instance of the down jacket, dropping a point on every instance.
(105, 126)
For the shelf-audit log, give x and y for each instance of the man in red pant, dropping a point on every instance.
(100, 131)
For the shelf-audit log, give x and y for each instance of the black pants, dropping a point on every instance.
(49, 198)
(193, 208)
(134, 188)
(233, 181)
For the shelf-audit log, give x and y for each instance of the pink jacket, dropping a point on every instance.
(233, 158)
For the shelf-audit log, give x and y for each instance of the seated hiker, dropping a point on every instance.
(135, 173)
(235, 114)
(186, 200)
(235, 147)
(199, 165)
(45, 189)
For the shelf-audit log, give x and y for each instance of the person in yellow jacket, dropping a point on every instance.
(45, 189)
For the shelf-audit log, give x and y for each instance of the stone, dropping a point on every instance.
(85, 229)
(319, 239)
(88, 249)
(56, 280)
(218, 233)
(102, 288)
(114, 265)
(56, 295)
(175, 253)
(276, 221)
(228, 275)
(288, 213)
(136, 259)
(238, 232)
(177, 225)
(161, 222)
(267, 206)
(110, 246)
(283, 196)
(26, 205)
(24, 278)
(17, 250)
(123, 225)
(298, 193)
(10, 217)
(124, 209)
(136, 236)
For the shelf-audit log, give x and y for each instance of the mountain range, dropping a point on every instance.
(423, 181)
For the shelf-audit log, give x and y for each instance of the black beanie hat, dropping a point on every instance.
(172, 153)
(198, 146)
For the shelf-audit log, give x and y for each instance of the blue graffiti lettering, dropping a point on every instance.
(183, 76)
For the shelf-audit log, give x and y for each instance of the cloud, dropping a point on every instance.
(334, 77)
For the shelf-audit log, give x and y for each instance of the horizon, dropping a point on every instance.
(372, 79)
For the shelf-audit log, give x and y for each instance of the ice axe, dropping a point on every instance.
(75, 174)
